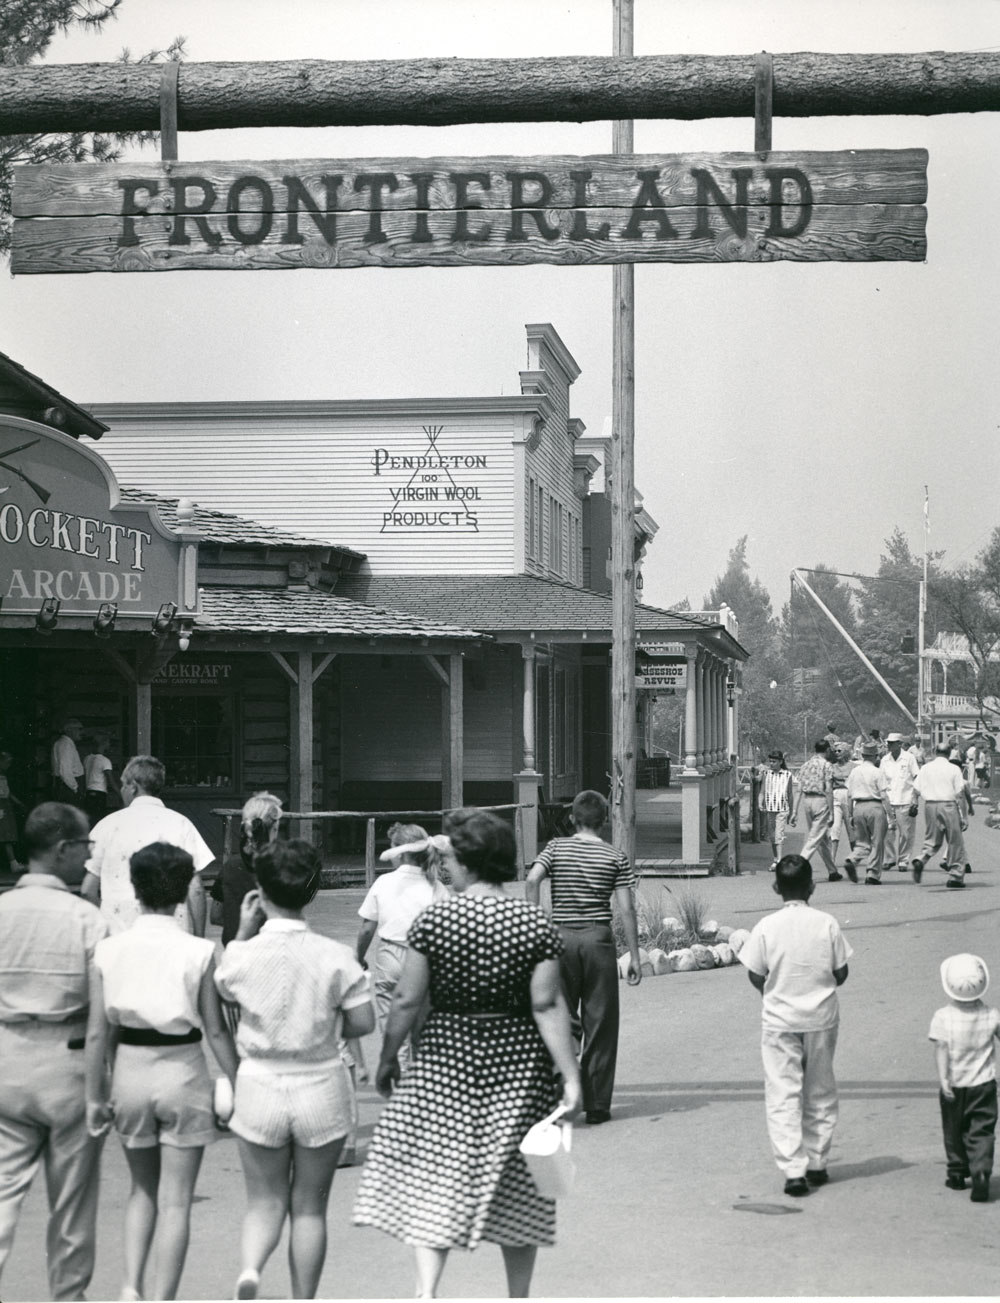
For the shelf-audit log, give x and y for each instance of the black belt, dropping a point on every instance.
(814, 793)
(150, 1036)
(867, 800)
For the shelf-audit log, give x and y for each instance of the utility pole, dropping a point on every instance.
(921, 620)
(623, 505)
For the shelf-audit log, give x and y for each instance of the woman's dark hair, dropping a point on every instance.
(484, 843)
(161, 875)
(288, 873)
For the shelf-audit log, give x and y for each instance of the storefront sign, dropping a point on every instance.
(661, 673)
(853, 205)
(193, 674)
(433, 489)
(65, 537)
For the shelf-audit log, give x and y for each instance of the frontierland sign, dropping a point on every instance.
(849, 206)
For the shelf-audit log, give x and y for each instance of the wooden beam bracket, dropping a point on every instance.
(168, 111)
(763, 99)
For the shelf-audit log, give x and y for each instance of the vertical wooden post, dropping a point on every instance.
(302, 771)
(369, 852)
(623, 507)
(526, 783)
(143, 719)
(453, 728)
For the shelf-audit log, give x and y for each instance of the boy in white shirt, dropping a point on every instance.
(963, 1033)
(796, 958)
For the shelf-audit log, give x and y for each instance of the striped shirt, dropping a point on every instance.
(584, 872)
(774, 790)
(968, 1030)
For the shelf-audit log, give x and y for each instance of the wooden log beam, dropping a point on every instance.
(434, 92)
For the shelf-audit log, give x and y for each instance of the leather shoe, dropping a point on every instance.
(873, 882)
(797, 1186)
(850, 870)
(918, 868)
(596, 1116)
(980, 1187)
(955, 1182)
(817, 1176)
(835, 877)
(955, 882)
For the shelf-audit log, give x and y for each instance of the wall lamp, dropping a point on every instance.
(731, 689)
(163, 619)
(48, 617)
(184, 636)
(104, 620)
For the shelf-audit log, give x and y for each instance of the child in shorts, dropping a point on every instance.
(964, 1032)
(299, 995)
(796, 958)
(156, 990)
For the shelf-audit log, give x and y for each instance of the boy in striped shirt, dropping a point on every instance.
(585, 873)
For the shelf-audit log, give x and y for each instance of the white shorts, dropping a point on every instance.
(309, 1107)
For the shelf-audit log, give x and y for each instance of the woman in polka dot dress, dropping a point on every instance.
(444, 1169)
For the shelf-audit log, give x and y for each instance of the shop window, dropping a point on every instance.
(194, 737)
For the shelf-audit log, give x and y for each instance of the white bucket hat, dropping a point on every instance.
(964, 977)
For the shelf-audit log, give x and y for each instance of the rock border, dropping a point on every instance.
(719, 948)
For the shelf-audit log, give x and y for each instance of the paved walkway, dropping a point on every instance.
(679, 1196)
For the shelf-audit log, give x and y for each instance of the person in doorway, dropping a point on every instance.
(47, 941)
(99, 779)
(814, 797)
(155, 998)
(145, 819)
(869, 808)
(900, 769)
(944, 791)
(774, 800)
(8, 820)
(964, 1033)
(585, 874)
(67, 767)
(843, 764)
(796, 958)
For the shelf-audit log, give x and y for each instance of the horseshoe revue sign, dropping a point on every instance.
(852, 205)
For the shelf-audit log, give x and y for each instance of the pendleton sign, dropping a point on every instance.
(853, 205)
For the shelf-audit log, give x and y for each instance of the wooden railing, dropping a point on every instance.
(229, 817)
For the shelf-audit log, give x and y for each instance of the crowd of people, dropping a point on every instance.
(110, 995)
(868, 794)
(493, 1012)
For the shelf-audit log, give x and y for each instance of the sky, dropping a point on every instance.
(803, 405)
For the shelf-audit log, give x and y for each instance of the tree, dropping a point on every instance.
(27, 28)
(969, 600)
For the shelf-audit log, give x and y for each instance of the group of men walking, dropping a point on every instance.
(874, 802)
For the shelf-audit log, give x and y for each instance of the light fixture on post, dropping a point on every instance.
(48, 617)
(104, 620)
(163, 619)
(731, 688)
(184, 635)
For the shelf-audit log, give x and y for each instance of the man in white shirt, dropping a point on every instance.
(942, 785)
(145, 819)
(866, 792)
(67, 767)
(900, 769)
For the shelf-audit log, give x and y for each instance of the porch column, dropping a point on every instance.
(453, 735)
(720, 712)
(691, 712)
(702, 681)
(711, 713)
(528, 781)
(302, 749)
(143, 718)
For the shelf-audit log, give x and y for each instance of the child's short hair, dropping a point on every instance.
(590, 809)
(161, 875)
(793, 876)
(288, 873)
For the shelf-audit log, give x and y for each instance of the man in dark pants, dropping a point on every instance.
(67, 767)
(585, 873)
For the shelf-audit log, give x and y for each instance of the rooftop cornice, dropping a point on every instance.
(321, 408)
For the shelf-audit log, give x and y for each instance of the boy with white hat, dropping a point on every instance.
(963, 1033)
